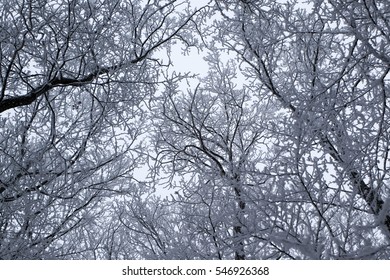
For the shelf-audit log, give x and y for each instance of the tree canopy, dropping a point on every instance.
(279, 149)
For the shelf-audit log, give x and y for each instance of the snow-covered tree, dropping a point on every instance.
(73, 78)
(328, 66)
(279, 150)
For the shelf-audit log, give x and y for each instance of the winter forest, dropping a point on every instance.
(277, 149)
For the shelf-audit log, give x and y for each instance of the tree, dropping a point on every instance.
(208, 141)
(319, 191)
(73, 77)
(280, 151)
(328, 67)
